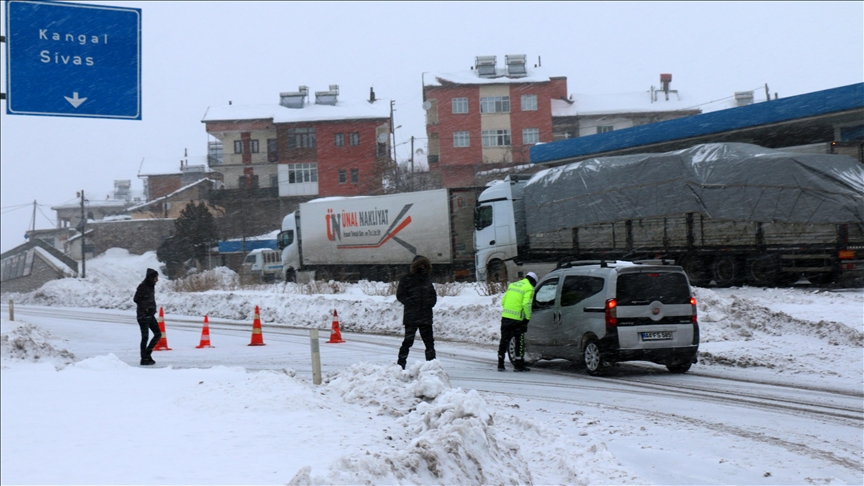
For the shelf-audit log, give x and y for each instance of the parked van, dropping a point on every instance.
(262, 265)
(601, 313)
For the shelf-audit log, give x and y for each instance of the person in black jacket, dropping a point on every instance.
(145, 297)
(417, 294)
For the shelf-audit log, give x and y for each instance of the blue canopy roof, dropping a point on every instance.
(833, 100)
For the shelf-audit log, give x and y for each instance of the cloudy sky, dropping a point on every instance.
(200, 54)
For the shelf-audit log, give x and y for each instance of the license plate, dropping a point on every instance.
(657, 336)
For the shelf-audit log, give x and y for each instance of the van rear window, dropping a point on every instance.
(644, 288)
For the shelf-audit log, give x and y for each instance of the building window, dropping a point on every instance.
(300, 173)
(253, 146)
(272, 150)
(274, 180)
(299, 138)
(496, 138)
(339, 140)
(381, 150)
(529, 102)
(605, 128)
(238, 146)
(342, 176)
(494, 104)
(461, 139)
(530, 135)
(460, 105)
(355, 176)
(354, 139)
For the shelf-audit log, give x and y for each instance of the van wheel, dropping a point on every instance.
(511, 349)
(679, 367)
(593, 358)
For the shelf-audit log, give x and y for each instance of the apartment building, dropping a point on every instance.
(329, 147)
(487, 117)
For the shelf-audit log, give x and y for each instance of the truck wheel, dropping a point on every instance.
(291, 276)
(725, 271)
(763, 271)
(593, 358)
(696, 269)
(496, 272)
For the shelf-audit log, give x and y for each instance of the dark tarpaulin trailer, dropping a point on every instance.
(724, 181)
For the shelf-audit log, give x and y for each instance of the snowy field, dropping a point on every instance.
(76, 407)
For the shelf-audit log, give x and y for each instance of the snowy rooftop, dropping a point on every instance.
(166, 197)
(106, 203)
(534, 75)
(342, 110)
(640, 102)
(635, 102)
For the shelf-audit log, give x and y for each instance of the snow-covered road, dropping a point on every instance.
(702, 427)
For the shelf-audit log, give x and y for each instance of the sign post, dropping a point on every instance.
(75, 60)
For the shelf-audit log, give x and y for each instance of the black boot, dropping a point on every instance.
(500, 363)
(519, 365)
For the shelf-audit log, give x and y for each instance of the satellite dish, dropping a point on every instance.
(427, 105)
(382, 138)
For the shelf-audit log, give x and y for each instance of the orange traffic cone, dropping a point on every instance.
(205, 335)
(335, 335)
(257, 337)
(162, 345)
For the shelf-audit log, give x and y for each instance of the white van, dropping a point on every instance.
(263, 264)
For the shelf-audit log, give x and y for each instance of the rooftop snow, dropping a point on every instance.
(636, 102)
(166, 197)
(535, 75)
(342, 110)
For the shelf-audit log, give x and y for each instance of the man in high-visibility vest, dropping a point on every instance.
(514, 319)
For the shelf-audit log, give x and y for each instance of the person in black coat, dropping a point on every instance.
(145, 298)
(417, 294)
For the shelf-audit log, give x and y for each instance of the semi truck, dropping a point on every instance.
(730, 213)
(377, 237)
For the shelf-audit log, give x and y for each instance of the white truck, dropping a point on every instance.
(377, 237)
(731, 213)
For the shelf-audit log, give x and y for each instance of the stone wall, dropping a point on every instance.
(138, 236)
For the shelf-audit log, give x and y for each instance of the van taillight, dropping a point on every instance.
(611, 312)
(693, 306)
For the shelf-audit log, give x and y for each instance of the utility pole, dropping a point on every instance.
(412, 162)
(767, 94)
(392, 134)
(81, 227)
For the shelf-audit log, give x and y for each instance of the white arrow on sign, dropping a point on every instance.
(75, 100)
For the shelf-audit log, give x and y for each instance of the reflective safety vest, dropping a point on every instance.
(517, 300)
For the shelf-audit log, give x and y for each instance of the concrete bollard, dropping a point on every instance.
(11, 310)
(316, 357)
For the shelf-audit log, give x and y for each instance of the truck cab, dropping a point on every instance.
(494, 232)
(262, 265)
(288, 242)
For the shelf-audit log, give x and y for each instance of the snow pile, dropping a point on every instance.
(736, 318)
(29, 343)
(444, 435)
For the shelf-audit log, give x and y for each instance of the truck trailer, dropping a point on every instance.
(377, 237)
(730, 213)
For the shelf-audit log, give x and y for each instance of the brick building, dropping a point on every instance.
(327, 148)
(485, 120)
(487, 117)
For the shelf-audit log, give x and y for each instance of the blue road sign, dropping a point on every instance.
(70, 59)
